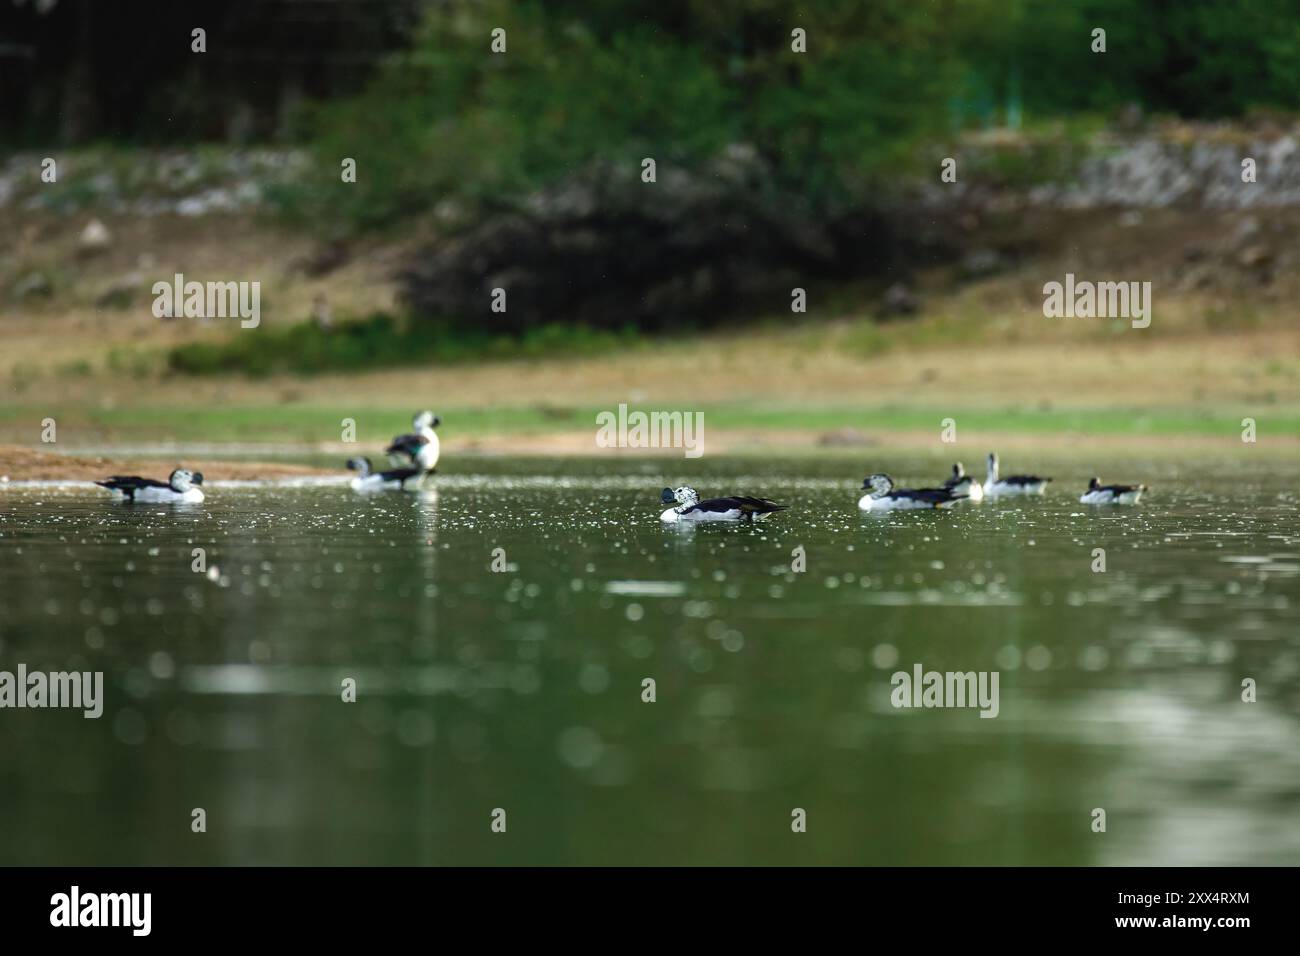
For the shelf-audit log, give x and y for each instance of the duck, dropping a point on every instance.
(883, 496)
(1012, 485)
(1099, 494)
(182, 486)
(368, 479)
(421, 445)
(687, 506)
(962, 483)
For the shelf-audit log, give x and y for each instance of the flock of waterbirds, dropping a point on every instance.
(414, 457)
(883, 495)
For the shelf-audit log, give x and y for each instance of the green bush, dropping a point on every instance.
(585, 83)
(589, 82)
(377, 342)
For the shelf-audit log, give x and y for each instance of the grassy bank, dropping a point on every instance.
(827, 426)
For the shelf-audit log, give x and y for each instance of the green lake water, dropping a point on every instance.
(522, 689)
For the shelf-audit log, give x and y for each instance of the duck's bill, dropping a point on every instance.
(667, 496)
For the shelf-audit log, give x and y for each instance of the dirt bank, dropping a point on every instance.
(25, 464)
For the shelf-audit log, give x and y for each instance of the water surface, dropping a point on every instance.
(522, 688)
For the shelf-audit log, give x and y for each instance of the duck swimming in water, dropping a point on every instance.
(421, 446)
(963, 484)
(368, 479)
(883, 496)
(1099, 494)
(995, 487)
(181, 487)
(689, 507)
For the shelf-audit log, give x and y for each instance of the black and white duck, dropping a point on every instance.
(421, 445)
(395, 479)
(997, 487)
(1099, 494)
(687, 506)
(963, 484)
(182, 486)
(883, 496)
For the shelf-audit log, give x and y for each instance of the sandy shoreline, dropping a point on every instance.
(236, 463)
(25, 464)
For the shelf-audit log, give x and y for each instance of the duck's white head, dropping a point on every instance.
(1094, 484)
(993, 464)
(878, 485)
(685, 496)
(426, 420)
(360, 465)
(182, 480)
(959, 470)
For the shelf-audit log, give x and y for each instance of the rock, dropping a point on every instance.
(33, 285)
(325, 259)
(95, 237)
(1254, 255)
(844, 438)
(981, 262)
(1130, 117)
(1245, 231)
(1198, 276)
(121, 292)
(899, 300)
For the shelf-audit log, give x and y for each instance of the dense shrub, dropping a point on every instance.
(380, 341)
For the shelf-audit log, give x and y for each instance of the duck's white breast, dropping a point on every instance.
(1110, 498)
(193, 496)
(912, 504)
(429, 453)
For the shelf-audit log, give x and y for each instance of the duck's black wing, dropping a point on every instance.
(1024, 480)
(1120, 489)
(934, 496)
(745, 504)
(407, 445)
(399, 474)
(130, 484)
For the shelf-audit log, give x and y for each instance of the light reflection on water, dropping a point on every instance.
(522, 688)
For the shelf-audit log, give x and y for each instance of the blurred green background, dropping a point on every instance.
(783, 161)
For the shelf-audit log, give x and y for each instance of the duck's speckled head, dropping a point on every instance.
(686, 496)
(181, 480)
(878, 485)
